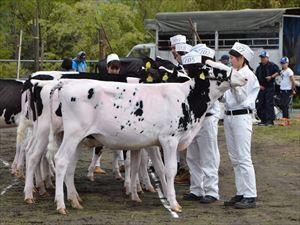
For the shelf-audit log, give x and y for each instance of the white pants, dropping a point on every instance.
(238, 132)
(203, 159)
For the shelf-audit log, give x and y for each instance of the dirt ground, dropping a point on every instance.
(276, 158)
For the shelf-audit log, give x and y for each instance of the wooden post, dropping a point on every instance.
(36, 36)
(19, 55)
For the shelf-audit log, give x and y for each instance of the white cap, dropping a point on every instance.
(203, 50)
(177, 39)
(244, 50)
(183, 47)
(191, 58)
(112, 57)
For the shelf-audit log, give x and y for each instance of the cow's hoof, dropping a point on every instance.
(62, 211)
(91, 178)
(177, 208)
(45, 194)
(29, 200)
(119, 178)
(140, 192)
(76, 205)
(138, 200)
(35, 190)
(151, 189)
(79, 199)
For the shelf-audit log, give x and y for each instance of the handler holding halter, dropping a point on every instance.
(239, 103)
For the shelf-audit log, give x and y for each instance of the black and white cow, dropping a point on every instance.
(133, 116)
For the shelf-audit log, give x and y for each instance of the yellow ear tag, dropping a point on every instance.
(165, 77)
(202, 76)
(149, 79)
(148, 65)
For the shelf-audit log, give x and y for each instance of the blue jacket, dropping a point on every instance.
(79, 66)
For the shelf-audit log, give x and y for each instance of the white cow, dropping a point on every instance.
(133, 116)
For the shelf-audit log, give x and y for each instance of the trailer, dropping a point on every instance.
(274, 30)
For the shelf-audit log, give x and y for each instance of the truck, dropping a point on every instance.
(275, 30)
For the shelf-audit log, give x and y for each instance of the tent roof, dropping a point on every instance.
(234, 21)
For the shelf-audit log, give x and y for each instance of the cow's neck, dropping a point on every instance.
(198, 97)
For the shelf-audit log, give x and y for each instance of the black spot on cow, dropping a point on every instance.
(133, 94)
(118, 107)
(96, 106)
(129, 100)
(197, 101)
(73, 99)
(172, 135)
(177, 100)
(198, 105)
(38, 100)
(141, 131)
(186, 118)
(58, 111)
(122, 127)
(117, 87)
(116, 117)
(139, 111)
(124, 90)
(114, 104)
(91, 93)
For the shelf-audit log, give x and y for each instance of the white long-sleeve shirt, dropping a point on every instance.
(242, 97)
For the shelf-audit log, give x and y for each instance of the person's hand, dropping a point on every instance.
(262, 88)
(294, 92)
(268, 78)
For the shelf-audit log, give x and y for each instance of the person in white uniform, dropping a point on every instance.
(179, 47)
(203, 157)
(239, 104)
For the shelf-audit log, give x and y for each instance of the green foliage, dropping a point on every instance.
(68, 26)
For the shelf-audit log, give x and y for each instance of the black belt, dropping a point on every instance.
(239, 112)
(286, 91)
(208, 114)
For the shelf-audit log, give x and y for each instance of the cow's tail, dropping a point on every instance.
(52, 144)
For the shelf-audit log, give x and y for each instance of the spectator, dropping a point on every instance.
(225, 60)
(79, 63)
(287, 89)
(266, 73)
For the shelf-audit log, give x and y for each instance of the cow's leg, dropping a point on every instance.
(135, 164)
(21, 161)
(115, 165)
(98, 153)
(72, 193)
(155, 156)
(127, 173)
(145, 179)
(39, 182)
(62, 159)
(33, 158)
(15, 162)
(170, 148)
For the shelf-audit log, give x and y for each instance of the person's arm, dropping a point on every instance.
(240, 93)
(275, 73)
(292, 78)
